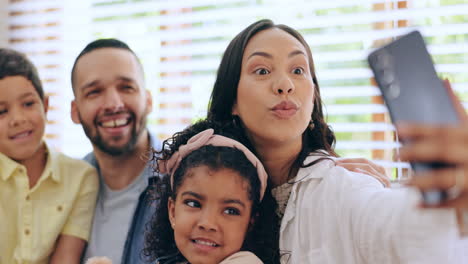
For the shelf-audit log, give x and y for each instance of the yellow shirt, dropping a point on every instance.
(61, 202)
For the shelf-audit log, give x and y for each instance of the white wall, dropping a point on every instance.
(3, 23)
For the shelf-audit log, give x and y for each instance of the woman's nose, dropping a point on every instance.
(284, 85)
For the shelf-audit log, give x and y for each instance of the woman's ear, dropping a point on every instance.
(171, 211)
(234, 110)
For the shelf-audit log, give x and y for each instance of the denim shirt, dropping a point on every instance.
(135, 241)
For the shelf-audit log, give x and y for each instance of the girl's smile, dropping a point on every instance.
(211, 214)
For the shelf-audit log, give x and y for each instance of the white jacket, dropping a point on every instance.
(337, 216)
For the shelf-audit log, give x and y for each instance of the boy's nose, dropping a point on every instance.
(17, 118)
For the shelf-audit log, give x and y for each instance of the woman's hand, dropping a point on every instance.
(443, 144)
(365, 166)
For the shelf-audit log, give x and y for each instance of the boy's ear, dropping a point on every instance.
(74, 113)
(171, 211)
(46, 103)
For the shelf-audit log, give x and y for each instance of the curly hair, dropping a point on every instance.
(262, 239)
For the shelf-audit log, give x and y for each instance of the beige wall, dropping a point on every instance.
(3, 23)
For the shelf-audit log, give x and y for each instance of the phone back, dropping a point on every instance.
(410, 86)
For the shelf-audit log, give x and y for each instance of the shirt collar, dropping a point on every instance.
(9, 166)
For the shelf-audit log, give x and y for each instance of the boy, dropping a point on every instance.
(47, 200)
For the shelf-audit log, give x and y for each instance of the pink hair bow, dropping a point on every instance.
(207, 137)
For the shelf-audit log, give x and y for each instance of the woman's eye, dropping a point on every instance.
(232, 211)
(298, 71)
(3, 111)
(262, 71)
(192, 203)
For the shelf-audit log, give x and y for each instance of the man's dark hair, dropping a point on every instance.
(14, 63)
(99, 44)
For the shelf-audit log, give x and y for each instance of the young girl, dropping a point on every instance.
(212, 207)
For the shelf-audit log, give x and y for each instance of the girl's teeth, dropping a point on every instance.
(205, 243)
(22, 135)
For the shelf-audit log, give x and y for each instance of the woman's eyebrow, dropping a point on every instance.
(261, 53)
(295, 53)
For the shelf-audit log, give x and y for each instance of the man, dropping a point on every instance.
(111, 103)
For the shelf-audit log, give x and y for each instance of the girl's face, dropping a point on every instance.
(210, 215)
(276, 92)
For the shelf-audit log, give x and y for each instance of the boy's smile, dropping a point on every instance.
(22, 118)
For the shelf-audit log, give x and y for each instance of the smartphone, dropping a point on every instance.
(413, 92)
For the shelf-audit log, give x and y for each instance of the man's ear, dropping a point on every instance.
(75, 115)
(149, 102)
(171, 211)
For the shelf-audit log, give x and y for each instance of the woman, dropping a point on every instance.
(266, 85)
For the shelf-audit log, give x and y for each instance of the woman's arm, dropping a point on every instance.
(68, 250)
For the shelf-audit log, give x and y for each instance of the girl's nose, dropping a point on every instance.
(208, 221)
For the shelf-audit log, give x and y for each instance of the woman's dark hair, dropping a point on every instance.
(262, 238)
(224, 94)
(14, 63)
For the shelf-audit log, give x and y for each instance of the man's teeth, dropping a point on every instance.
(120, 122)
(115, 123)
(206, 243)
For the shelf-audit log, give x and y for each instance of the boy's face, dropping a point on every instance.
(22, 118)
(111, 102)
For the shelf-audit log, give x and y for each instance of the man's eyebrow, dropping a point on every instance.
(261, 53)
(126, 79)
(89, 84)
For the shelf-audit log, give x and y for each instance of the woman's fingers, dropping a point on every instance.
(452, 180)
(434, 143)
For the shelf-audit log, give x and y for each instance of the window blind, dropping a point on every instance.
(180, 44)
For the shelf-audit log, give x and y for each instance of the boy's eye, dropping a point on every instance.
(232, 211)
(298, 71)
(192, 203)
(29, 103)
(262, 71)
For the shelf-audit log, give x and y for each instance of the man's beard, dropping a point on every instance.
(128, 148)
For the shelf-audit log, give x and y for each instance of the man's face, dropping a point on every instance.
(110, 100)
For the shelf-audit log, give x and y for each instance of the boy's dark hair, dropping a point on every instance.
(99, 44)
(262, 239)
(224, 94)
(14, 63)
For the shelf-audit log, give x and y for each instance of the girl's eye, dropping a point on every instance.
(3, 111)
(192, 203)
(232, 211)
(262, 71)
(298, 71)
